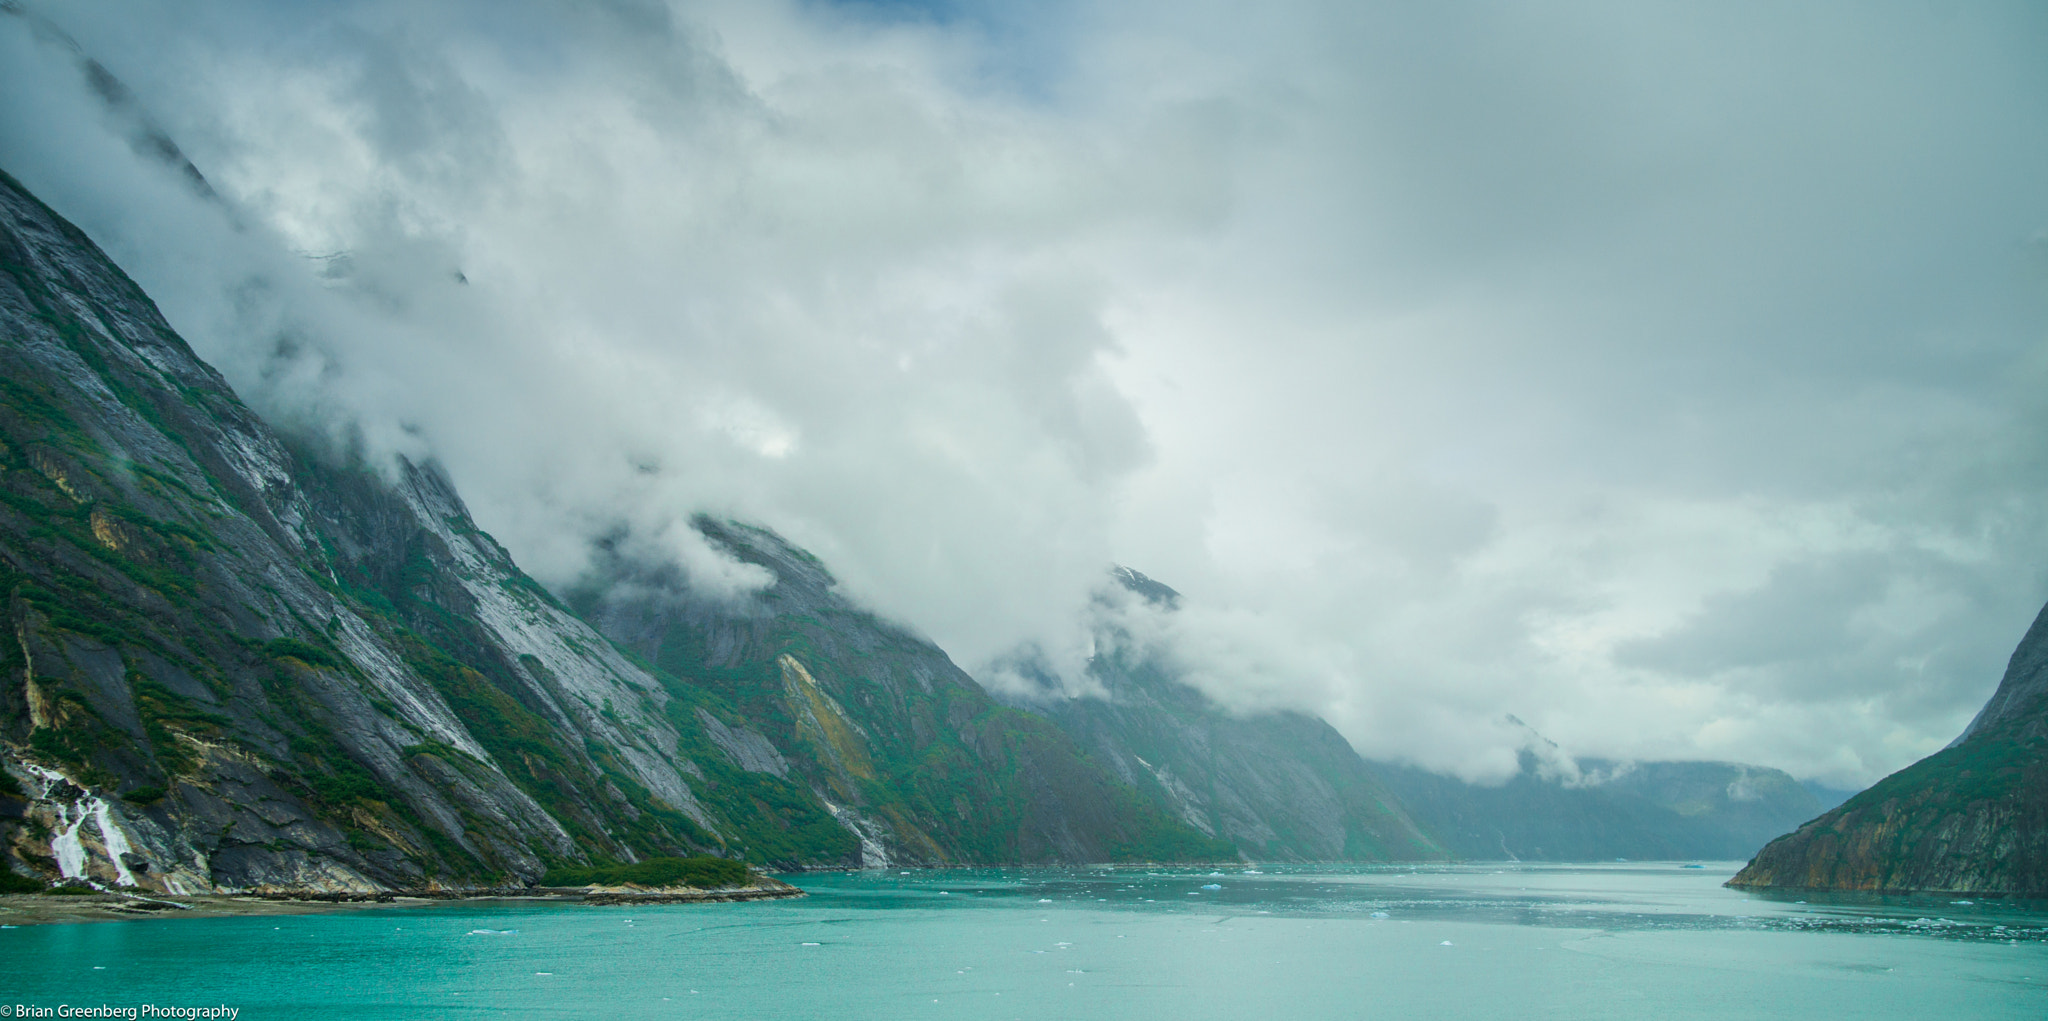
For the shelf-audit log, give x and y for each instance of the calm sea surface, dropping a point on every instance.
(1510, 941)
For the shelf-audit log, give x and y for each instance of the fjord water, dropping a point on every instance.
(1526, 941)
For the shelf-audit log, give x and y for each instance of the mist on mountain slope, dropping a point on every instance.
(1669, 379)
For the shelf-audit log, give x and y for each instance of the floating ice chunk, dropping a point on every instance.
(1212, 886)
(1445, 943)
(1965, 903)
(810, 944)
(1381, 914)
(945, 893)
(1045, 900)
(494, 932)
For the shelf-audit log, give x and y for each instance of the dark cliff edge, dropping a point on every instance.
(1971, 818)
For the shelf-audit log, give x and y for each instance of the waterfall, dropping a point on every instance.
(66, 845)
(70, 851)
(115, 841)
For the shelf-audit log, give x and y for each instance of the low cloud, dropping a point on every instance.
(1669, 378)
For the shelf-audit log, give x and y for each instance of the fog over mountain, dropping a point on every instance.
(1671, 378)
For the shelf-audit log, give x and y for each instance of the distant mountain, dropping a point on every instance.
(903, 746)
(1643, 811)
(1285, 786)
(1971, 818)
(1278, 786)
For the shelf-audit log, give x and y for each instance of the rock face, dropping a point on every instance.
(899, 743)
(238, 662)
(1650, 811)
(1971, 818)
(1278, 786)
(244, 666)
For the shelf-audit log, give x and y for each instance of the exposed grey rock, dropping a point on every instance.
(2022, 695)
(749, 750)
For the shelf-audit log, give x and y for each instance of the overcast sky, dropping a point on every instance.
(1670, 376)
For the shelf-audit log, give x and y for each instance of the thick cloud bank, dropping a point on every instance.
(1670, 377)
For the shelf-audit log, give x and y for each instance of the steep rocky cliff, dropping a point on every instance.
(1971, 818)
(234, 663)
(1278, 786)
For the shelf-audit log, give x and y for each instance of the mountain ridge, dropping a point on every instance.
(1971, 818)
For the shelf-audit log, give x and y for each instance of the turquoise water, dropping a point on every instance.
(1612, 941)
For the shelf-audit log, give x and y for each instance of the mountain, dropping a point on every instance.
(1652, 811)
(1278, 786)
(1971, 818)
(238, 661)
(901, 744)
(1285, 786)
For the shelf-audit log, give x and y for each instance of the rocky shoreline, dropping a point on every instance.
(49, 909)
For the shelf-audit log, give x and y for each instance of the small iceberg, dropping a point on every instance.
(1965, 903)
(1381, 914)
(1212, 886)
(494, 932)
(1445, 943)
